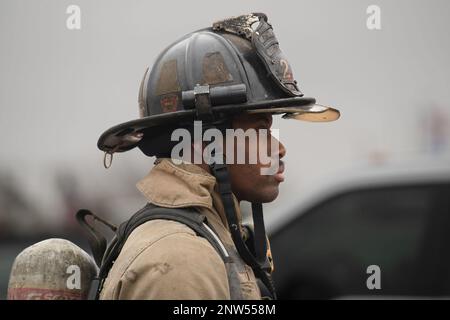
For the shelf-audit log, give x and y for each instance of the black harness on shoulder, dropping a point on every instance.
(105, 256)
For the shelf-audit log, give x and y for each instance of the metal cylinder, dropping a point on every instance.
(53, 269)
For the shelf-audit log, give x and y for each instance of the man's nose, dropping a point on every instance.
(281, 148)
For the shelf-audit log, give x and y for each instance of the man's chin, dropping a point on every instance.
(270, 194)
(267, 194)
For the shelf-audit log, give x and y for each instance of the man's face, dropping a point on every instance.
(247, 181)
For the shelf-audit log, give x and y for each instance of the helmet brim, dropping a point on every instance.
(126, 136)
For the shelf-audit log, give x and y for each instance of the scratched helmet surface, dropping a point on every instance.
(234, 66)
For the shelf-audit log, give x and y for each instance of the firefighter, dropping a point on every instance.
(232, 75)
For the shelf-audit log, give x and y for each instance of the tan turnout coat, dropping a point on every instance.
(165, 259)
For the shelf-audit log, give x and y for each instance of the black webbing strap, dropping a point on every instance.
(260, 241)
(188, 216)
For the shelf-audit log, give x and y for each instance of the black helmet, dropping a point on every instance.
(234, 66)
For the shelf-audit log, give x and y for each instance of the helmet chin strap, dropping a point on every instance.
(257, 259)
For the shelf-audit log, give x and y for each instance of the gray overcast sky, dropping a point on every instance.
(60, 88)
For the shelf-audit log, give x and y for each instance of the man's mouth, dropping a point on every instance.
(279, 176)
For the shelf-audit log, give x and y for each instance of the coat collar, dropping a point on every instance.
(173, 185)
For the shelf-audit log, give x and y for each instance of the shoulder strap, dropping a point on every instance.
(188, 216)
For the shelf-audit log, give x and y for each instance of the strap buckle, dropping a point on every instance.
(202, 102)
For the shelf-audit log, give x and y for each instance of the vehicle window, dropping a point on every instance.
(403, 230)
